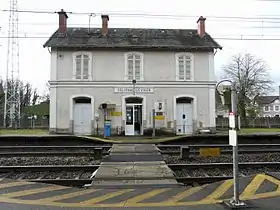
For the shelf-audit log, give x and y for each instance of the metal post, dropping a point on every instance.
(233, 140)
(235, 202)
(154, 123)
(104, 123)
(235, 148)
(97, 129)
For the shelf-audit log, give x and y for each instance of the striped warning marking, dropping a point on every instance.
(74, 197)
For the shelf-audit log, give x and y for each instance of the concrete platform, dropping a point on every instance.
(134, 148)
(135, 170)
(259, 191)
(134, 164)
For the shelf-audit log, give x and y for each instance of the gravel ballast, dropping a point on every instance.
(222, 172)
(51, 160)
(267, 157)
(49, 175)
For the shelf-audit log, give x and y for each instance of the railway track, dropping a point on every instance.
(225, 149)
(25, 151)
(212, 172)
(79, 175)
(10, 151)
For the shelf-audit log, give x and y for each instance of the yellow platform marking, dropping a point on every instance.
(183, 195)
(106, 197)
(220, 191)
(138, 200)
(34, 191)
(67, 196)
(145, 196)
(251, 189)
(14, 184)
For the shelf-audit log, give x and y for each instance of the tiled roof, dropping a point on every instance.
(266, 99)
(134, 38)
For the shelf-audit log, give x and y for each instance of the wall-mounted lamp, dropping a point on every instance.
(134, 83)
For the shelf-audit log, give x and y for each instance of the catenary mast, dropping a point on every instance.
(12, 93)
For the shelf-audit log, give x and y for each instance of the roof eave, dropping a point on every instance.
(47, 44)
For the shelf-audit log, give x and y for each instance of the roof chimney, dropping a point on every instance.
(105, 19)
(201, 26)
(62, 22)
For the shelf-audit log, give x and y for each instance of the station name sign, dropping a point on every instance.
(131, 90)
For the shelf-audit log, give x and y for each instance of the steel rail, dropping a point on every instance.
(228, 151)
(48, 153)
(94, 167)
(222, 165)
(43, 168)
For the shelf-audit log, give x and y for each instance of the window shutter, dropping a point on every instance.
(130, 67)
(137, 67)
(181, 68)
(78, 70)
(85, 67)
(188, 68)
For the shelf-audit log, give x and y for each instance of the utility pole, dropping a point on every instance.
(12, 84)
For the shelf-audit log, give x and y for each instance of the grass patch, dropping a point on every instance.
(23, 131)
(259, 130)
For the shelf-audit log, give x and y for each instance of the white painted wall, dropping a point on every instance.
(108, 72)
(272, 111)
(101, 94)
(110, 66)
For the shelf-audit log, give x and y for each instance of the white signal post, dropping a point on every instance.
(233, 141)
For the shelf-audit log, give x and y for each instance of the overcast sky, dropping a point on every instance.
(35, 60)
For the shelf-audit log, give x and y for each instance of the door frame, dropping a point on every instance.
(88, 105)
(194, 108)
(71, 111)
(144, 108)
(130, 126)
(133, 109)
(184, 125)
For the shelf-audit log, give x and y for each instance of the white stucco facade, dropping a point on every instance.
(107, 83)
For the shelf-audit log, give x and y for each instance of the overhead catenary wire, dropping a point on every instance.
(125, 14)
(216, 38)
(231, 35)
(233, 18)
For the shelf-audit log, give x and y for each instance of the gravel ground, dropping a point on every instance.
(49, 150)
(267, 157)
(222, 172)
(51, 160)
(49, 175)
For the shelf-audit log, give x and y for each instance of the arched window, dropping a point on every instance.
(82, 65)
(184, 66)
(134, 66)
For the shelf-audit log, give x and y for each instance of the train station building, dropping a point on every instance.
(132, 71)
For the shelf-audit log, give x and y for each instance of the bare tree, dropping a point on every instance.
(46, 95)
(252, 79)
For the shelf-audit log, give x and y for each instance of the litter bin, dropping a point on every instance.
(107, 128)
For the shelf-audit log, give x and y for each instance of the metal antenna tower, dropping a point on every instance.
(12, 94)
